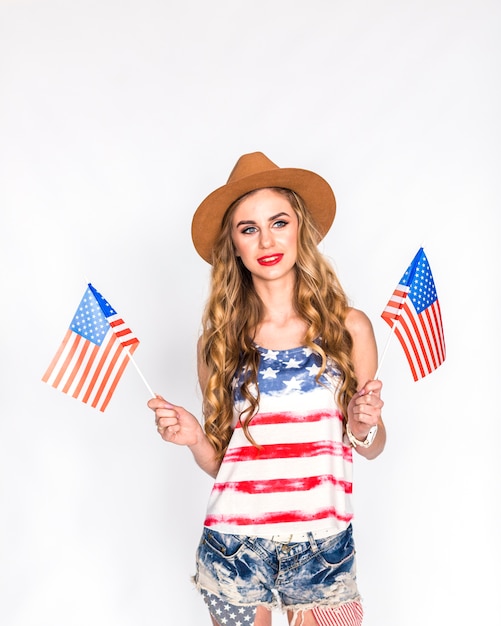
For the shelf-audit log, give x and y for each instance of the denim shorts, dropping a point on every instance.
(245, 572)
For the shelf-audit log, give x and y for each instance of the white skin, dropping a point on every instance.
(264, 233)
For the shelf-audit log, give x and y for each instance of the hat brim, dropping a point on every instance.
(313, 189)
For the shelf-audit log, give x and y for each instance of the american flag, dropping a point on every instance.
(414, 312)
(94, 352)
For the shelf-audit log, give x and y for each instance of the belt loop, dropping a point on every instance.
(313, 543)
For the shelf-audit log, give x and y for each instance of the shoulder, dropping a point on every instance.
(364, 350)
(358, 324)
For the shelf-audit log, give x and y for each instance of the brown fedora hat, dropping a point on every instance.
(255, 171)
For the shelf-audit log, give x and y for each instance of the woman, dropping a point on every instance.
(286, 369)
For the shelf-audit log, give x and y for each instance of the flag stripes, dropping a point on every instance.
(422, 339)
(349, 614)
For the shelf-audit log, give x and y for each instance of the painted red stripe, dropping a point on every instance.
(287, 451)
(282, 485)
(286, 417)
(277, 517)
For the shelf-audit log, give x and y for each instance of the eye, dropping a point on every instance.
(280, 223)
(248, 230)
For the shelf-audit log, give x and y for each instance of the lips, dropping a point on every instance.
(272, 259)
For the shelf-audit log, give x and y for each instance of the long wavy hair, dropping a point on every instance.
(234, 310)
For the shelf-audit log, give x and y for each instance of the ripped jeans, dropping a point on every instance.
(236, 573)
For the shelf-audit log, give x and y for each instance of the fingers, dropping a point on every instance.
(166, 417)
(157, 402)
(372, 387)
(367, 403)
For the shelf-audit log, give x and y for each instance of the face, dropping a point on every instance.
(264, 232)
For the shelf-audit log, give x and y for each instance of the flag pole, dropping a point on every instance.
(153, 395)
(385, 349)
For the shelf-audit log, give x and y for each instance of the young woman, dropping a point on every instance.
(286, 369)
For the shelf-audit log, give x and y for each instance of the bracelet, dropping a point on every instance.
(371, 435)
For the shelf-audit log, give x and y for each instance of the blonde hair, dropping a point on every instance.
(233, 311)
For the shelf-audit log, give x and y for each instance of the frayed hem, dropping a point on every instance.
(271, 606)
(298, 610)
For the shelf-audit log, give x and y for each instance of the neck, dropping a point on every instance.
(277, 298)
(280, 326)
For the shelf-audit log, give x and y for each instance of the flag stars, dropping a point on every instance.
(313, 370)
(292, 363)
(89, 320)
(269, 372)
(228, 614)
(293, 384)
(270, 355)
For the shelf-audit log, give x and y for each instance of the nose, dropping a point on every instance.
(266, 238)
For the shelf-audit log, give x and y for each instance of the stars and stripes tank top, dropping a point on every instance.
(300, 477)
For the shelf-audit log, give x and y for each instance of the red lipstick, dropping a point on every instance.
(272, 259)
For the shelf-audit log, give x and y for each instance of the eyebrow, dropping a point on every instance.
(273, 217)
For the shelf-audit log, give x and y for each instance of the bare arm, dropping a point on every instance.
(364, 410)
(179, 426)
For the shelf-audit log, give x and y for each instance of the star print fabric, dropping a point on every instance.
(286, 372)
(227, 614)
(299, 478)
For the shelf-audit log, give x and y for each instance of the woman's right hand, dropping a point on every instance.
(174, 423)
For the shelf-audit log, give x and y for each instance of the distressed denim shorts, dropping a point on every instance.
(243, 572)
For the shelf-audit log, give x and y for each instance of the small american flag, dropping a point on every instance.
(94, 352)
(414, 313)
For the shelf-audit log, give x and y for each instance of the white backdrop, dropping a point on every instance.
(116, 119)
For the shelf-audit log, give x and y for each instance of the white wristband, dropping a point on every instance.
(371, 435)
